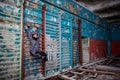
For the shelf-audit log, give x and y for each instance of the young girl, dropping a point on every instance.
(35, 43)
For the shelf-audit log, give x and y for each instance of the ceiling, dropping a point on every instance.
(107, 9)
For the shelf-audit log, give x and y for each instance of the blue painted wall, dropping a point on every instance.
(92, 27)
(115, 31)
(93, 31)
(10, 39)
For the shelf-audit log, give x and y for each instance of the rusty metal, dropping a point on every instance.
(43, 36)
(42, 65)
(80, 41)
(23, 69)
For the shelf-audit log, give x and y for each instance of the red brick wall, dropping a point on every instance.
(115, 48)
(98, 49)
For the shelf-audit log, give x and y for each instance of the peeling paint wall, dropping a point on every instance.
(33, 68)
(76, 8)
(53, 40)
(93, 31)
(10, 40)
(92, 25)
(66, 41)
(98, 49)
(75, 41)
(115, 32)
(115, 39)
(58, 27)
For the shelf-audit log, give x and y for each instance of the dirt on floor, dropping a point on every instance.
(103, 69)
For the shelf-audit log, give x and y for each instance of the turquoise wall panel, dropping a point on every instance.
(52, 41)
(59, 30)
(115, 31)
(89, 19)
(75, 41)
(10, 40)
(32, 17)
(66, 41)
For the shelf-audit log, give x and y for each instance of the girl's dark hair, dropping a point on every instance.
(33, 35)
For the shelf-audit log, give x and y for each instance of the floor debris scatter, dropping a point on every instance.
(101, 69)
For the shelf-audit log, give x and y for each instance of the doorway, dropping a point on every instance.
(85, 49)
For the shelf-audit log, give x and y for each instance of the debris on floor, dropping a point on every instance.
(102, 69)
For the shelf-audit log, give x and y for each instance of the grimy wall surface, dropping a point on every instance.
(60, 22)
(92, 25)
(10, 39)
(115, 38)
(98, 49)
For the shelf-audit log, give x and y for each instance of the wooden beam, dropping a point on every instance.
(66, 77)
(108, 68)
(93, 63)
(78, 72)
(99, 72)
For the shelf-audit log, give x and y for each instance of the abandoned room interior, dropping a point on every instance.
(59, 39)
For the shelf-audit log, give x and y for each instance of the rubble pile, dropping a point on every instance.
(102, 69)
